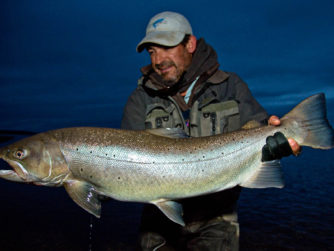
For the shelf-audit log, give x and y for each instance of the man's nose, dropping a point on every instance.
(160, 56)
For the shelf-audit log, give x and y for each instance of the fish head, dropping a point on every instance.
(37, 159)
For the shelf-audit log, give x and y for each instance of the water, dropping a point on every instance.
(298, 217)
(43, 218)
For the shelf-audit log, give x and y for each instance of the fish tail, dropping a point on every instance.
(307, 123)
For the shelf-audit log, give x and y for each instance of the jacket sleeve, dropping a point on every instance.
(134, 111)
(249, 108)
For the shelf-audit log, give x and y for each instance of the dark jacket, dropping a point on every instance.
(221, 86)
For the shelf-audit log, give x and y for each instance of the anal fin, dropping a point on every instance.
(268, 175)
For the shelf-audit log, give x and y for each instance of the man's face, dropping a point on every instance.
(170, 62)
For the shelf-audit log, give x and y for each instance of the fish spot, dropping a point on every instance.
(203, 156)
(90, 151)
(77, 149)
(91, 176)
(119, 178)
(203, 170)
(106, 154)
(81, 169)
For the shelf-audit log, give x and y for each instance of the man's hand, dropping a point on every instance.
(296, 149)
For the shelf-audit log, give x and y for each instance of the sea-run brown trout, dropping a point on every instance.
(159, 166)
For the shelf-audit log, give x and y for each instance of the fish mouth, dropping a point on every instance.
(13, 171)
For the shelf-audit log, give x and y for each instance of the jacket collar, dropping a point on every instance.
(218, 77)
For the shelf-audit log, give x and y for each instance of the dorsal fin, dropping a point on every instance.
(251, 124)
(174, 133)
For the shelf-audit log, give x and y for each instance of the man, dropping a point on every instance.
(183, 88)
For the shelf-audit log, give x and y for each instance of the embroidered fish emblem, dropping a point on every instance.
(157, 22)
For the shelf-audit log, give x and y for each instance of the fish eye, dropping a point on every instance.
(20, 154)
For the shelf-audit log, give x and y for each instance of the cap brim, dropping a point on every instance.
(165, 38)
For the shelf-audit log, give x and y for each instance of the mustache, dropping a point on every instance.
(164, 64)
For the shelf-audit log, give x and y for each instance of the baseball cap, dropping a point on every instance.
(167, 29)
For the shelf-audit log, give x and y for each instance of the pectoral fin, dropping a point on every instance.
(171, 209)
(268, 175)
(84, 195)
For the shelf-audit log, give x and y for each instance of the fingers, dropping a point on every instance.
(274, 120)
(296, 149)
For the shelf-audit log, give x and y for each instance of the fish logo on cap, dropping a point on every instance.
(157, 22)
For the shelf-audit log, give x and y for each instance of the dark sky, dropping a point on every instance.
(73, 63)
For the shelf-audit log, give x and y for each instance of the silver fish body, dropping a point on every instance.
(159, 166)
(142, 167)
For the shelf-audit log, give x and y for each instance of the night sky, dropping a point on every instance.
(74, 63)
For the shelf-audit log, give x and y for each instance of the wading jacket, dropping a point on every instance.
(223, 103)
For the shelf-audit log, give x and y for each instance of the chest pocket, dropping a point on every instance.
(160, 116)
(216, 118)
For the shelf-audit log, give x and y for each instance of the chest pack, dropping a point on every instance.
(203, 119)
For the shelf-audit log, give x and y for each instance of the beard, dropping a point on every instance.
(166, 80)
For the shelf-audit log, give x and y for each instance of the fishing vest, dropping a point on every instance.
(206, 117)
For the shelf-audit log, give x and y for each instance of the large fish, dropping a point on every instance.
(158, 166)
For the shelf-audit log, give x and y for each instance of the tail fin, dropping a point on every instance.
(311, 121)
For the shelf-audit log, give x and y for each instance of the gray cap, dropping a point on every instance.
(167, 29)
